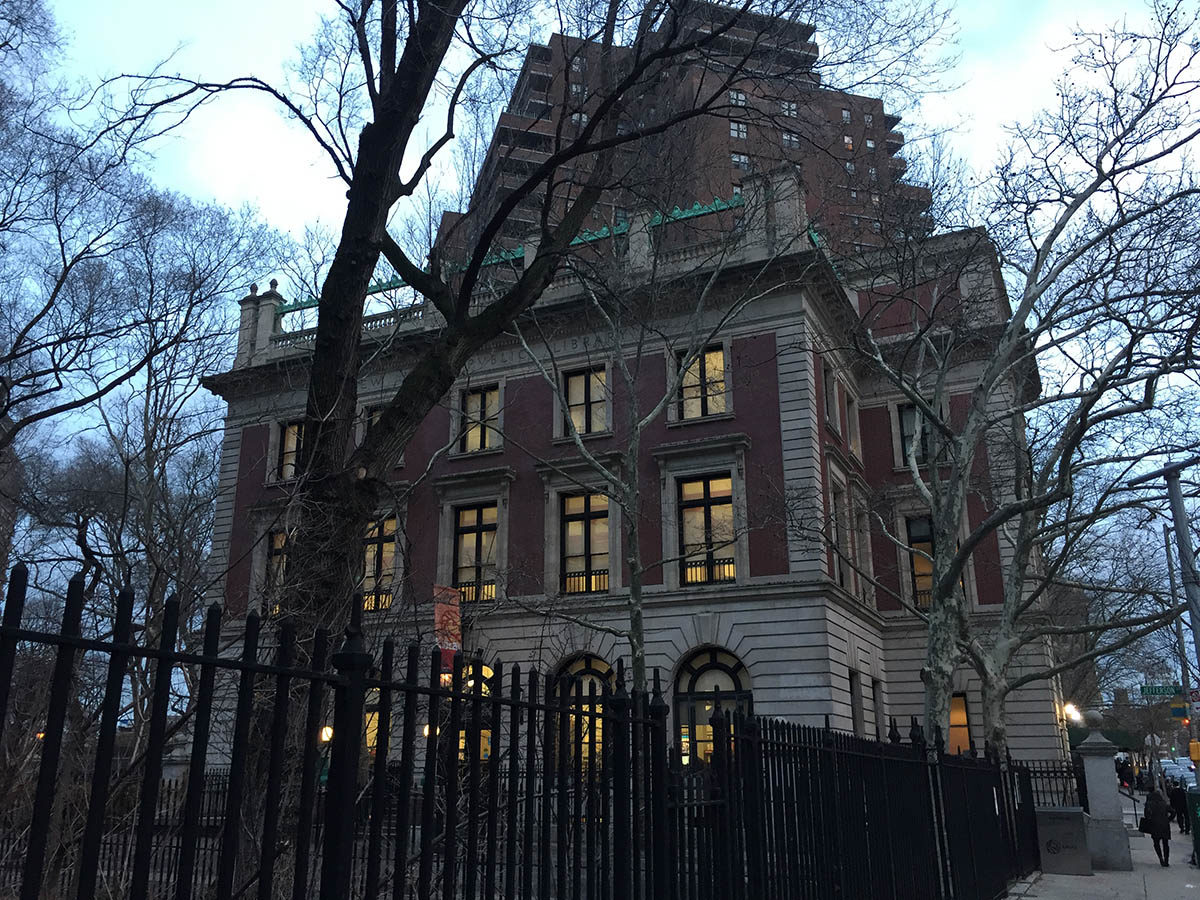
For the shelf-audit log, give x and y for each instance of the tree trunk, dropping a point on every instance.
(995, 729)
(941, 659)
(633, 551)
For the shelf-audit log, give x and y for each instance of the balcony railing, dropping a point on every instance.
(595, 581)
(705, 571)
(476, 590)
(377, 601)
(923, 600)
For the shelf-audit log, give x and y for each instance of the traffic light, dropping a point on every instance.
(1187, 722)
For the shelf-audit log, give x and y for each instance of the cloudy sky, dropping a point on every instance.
(240, 150)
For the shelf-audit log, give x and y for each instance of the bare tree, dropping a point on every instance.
(373, 76)
(1034, 413)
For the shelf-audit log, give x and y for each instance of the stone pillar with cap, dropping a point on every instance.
(268, 319)
(247, 328)
(1108, 839)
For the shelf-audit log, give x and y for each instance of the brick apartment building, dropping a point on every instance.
(756, 480)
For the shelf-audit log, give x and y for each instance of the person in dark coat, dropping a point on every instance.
(1159, 826)
(1178, 798)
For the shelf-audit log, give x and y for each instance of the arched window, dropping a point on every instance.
(708, 679)
(588, 672)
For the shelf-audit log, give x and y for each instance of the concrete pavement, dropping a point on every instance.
(1147, 881)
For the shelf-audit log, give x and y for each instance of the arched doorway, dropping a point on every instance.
(708, 679)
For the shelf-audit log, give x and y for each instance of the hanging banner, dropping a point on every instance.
(447, 622)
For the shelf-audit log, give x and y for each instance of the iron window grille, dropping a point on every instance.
(475, 552)
(584, 544)
(706, 530)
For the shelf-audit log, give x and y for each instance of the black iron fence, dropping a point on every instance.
(1058, 782)
(346, 776)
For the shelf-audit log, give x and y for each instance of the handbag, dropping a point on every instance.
(1144, 825)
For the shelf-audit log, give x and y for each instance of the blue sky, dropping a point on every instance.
(240, 150)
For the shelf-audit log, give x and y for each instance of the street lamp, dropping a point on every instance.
(1183, 540)
(326, 734)
(1071, 711)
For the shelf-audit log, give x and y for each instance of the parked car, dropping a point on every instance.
(1186, 763)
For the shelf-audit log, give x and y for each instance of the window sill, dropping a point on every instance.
(714, 417)
(475, 454)
(564, 439)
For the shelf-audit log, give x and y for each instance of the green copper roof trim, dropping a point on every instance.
(584, 237)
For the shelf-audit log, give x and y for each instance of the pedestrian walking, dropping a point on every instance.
(1157, 824)
(1178, 798)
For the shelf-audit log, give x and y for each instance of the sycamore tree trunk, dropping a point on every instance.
(995, 729)
(941, 659)
(633, 555)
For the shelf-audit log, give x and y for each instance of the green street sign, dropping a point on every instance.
(1161, 690)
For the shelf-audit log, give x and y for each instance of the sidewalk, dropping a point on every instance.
(1147, 881)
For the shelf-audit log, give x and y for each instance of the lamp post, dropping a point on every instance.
(1183, 540)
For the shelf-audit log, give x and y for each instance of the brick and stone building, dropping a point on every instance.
(776, 586)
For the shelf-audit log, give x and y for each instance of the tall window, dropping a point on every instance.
(838, 533)
(379, 564)
(845, 117)
(740, 161)
(475, 552)
(587, 401)
(908, 431)
(702, 391)
(791, 140)
(584, 543)
(959, 739)
(276, 557)
(291, 436)
(852, 424)
(868, 119)
(847, 142)
(788, 108)
(737, 98)
(583, 682)
(737, 130)
(708, 680)
(857, 714)
(706, 530)
(480, 411)
(829, 389)
(920, 537)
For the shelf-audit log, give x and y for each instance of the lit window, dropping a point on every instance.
(868, 119)
(584, 560)
(706, 530)
(845, 117)
(788, 108)
(740, 161)
(959, 739)
(583, 682)
(480, 409)
(709, 680)
(702, 390)
(870, 144)
(475, 552)
(791, 140)
(737, 130)
(587, 401)
(276, 557)
(379, 564)
(847, 142)
(737, 98)
(920, 537)
(291, 436)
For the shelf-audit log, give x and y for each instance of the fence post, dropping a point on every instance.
(660, 830)
(14, 606)
(622, 850)
(56, 718)
(352, 662)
